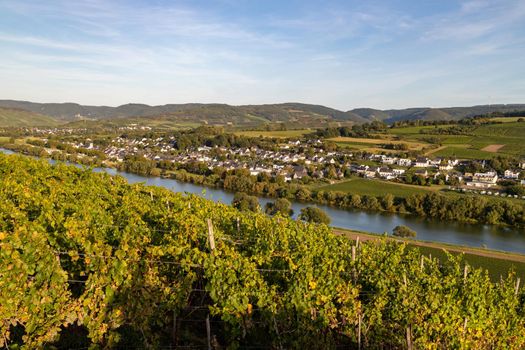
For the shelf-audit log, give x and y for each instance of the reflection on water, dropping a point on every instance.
(474, 235)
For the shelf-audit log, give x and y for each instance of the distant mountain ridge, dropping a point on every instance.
(215, 113)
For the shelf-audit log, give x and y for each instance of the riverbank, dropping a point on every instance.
(498, 263)
(354, 193)
(474, 235)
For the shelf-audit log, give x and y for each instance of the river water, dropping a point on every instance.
(474, 235)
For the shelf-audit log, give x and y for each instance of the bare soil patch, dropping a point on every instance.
(492, 148)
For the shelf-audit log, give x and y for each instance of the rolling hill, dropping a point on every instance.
(14, 117)
(449, 113)
(215, 113)
(195, 113)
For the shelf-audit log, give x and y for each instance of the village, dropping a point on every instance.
(304, 161)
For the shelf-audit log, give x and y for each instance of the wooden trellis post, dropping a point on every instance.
(359, 319)
(409, 327)
(211, 240)
(208, 331)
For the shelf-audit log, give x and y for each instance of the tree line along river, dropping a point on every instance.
(511, 239)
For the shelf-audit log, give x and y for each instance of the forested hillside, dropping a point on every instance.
(215, 113)
(14, 117)
(212, 113)
(86, 259)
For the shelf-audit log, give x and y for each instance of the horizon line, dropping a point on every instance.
(269, 104)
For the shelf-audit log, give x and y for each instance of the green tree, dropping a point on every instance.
(404, 231)
(388, 201)
(314, 214)
(280, 206)
(303, 194)
(245, 202)
(356, 201)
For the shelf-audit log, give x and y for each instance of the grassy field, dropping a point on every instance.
(510, 134)
(354, 145)
(169, 124)
(505, 129)
(462, 152)
(257, 119)
(507, 120)
(378, 188)
(413, 130)
(374, 144)
(275, 134)
(497, 263)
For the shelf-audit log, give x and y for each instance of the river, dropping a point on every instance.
(502, 238)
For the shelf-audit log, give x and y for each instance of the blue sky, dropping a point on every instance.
(343, 54)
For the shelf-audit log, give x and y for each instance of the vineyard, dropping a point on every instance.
(87, 260)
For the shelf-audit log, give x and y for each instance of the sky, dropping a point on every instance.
(343, 54)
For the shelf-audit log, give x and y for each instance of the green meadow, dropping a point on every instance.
(482, 143)
(276, 133)
(373, 187)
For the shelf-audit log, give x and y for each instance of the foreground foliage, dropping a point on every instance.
(88, 260)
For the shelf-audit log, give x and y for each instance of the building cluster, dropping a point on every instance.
(296, 160)
(299, 159)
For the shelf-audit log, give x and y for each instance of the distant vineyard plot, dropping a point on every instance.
(276, 133)
(483, 142)
(372, 144)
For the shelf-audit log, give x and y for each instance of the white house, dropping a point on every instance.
(484, 180)
(422, 162)
(435, 162)
(509, 174)
(389, 160)
(299, 172)
(371, 172)
(362, 169)
(445, 167)
(404, 162)
(398, 171)
(490, 176)
(386, 173)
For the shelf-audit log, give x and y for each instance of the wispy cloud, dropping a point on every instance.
(476, 19)
(341, 52)
(336, 23)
